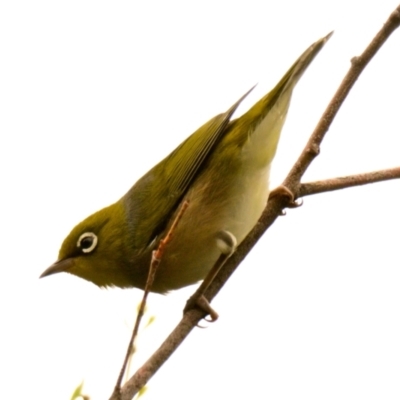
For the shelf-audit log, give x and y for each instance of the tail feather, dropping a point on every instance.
(266, 118)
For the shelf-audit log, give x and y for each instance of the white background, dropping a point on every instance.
(93, 93)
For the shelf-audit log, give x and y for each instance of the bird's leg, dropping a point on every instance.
(226, 243)
(283, 191)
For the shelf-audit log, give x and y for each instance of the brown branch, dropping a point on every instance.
(329, 185)
(312, 148)
(272, 211)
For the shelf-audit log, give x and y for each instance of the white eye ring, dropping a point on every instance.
(88, 245)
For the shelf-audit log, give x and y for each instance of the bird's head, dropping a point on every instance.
(95, 249)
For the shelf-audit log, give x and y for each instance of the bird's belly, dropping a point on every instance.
(214, 205)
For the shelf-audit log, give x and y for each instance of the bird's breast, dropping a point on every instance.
(218, 200)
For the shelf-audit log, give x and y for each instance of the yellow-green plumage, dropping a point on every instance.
(222, 170)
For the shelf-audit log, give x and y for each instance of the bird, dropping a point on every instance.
(221, 172)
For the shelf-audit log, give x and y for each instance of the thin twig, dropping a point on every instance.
(155, 262)
(158, 358)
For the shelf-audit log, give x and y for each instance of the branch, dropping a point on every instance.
(329, 185)
(358, 64)
(272, 211)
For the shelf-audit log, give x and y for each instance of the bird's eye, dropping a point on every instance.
(87, 242)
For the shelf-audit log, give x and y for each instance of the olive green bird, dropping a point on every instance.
(221, 170)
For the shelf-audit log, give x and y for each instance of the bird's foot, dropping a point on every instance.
(283, 191)
(226, 243)
(203, 304)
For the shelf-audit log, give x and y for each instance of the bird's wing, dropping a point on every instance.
(151, 202)
(183, 164)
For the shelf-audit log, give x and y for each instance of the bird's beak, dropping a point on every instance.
(58, 266)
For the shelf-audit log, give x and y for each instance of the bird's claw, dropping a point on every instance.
(283, 191)
(203, 304)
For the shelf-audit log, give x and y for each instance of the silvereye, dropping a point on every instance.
(222, 170)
